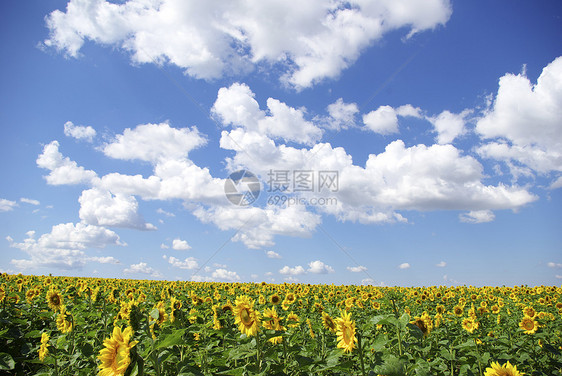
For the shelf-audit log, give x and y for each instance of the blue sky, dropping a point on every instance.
(122, 121)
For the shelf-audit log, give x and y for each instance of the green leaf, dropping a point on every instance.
(6, 362)
(155, 314)
(172, 339)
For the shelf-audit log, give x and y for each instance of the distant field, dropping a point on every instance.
(85, 326)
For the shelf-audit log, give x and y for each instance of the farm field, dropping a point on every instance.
(87, 326)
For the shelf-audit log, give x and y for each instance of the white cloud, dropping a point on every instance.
(558, 276)
(297, 270)
(409, 110)
(477, 216)
(308, 41)
(236, 106)
(225, 275)
(154, 143)
(404, 265)
(104, 260)
(164, 246)
(255, 226)
(441, 264)
(449, 125)
(101, 208)
(524, 120)
(342, 115)
(556, 183)
(188, 263)
(79, 132)
(7, 205)
(318, 267)
(63, 170)
(273, 254)
(383, 120)
(142, 268)
(164, 212)
(180, 245)
(30, 201)
(64, 246)
(357, 269)
(554, 265)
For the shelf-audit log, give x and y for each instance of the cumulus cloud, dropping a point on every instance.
(449, 126)
(477, 216)
(180, 245)
(64, 247)
(236, 106)
(154, 143)
(79, 132)
(225, 275)
(383, 120)
(287, 270)
(273, 254)
(554, 265)
(104, 260)
(441, 264)
(63, 170)
(404, 265)
(523, 122)
(308, 42)
(318, 267)
(357, 269)
(188, 263)
(143, 268)
(101, 208)
(341, 115)
(7, 205)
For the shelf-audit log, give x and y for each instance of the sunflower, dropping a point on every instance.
(346, 332)
(245, 316)
(529, 325)
(63, 324)
(162, 315)
(274, 323)
(115, 356)
(329, 323)
(275, 299)
(469, 324)
(458, 310)
(54, 300)
(43, 349)
(529, 311)
(175, 305)
(506, 369)
(424, 323)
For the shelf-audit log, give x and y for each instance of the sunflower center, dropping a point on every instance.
(347, 334)
(528, 325)
(245, 317)
(55, 300)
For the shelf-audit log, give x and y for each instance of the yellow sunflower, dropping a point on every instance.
(294, 319)
(44, 348)
(346, 332)
(424, 323)
(458, 310)
(114, 356)
(529, 325)
(506, 369)
(63, 324)
(329, 323)
(469, 324)
(274, 323)
(245, 316)
(275, 299)
(54, 300)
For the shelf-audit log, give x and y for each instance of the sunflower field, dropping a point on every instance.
(87, 326)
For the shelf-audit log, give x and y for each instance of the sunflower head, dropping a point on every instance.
(529, 325)
(245, 316)
(275, 299)
(54, 300)
(506, 369)
(346, 332)
(114, 356)
(329, 323)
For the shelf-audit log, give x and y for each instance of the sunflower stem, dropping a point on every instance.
(360, 345)
(478, 358)
(258, 355)
(400, 351)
